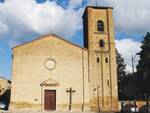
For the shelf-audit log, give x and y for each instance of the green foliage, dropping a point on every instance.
(120, 65)
(130, 86)
(143, 67)
(120, 74)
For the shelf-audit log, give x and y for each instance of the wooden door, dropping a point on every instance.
(50, 100)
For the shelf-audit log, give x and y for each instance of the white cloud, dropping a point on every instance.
(21, 19)
(130, 15)
(127, 48)
(4, 30)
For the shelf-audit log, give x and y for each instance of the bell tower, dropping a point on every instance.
(99, 40)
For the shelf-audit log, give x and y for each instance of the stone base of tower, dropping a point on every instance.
(104, 109)
(104, 105)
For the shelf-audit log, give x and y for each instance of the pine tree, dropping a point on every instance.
(143, 67)
(120, 73)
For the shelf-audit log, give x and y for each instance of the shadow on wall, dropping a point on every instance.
(5, 99)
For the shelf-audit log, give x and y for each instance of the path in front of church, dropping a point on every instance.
(26, 111)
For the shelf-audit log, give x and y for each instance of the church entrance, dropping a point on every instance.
(50, 100)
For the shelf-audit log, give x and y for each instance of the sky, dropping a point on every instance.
(24, 20)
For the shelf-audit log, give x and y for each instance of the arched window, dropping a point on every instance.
(101, 43)
(100, 25)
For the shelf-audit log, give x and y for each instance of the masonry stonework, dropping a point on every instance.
(29, 72)
(4, 85)
(102, 73)
(89, 72)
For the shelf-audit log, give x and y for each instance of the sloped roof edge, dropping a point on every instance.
(4, 78)
(44, 36)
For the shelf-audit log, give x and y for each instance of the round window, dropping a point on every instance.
(50, 64)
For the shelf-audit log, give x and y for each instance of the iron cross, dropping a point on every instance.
(70, 91)
(96, 2)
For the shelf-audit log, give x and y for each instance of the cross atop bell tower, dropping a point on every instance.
(99, 40)
(96, 2)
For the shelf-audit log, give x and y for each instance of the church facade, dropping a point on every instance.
(50, 73)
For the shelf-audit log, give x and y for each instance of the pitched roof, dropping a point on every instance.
(58, 37)
(1, 77)
(99, 7)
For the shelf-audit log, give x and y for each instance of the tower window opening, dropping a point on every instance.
(97, 60)
(100, 25)
(106, 60)
(107, 82)
(101, 43)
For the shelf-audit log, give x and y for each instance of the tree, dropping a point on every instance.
(120, 73)
(120, 65)
(143, 67)
(130, 86)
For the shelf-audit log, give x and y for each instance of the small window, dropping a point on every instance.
(101, 43)
(106, 60)
(107, 82)
(100, 25)
(97, 60)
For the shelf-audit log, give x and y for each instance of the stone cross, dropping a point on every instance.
(70, 91)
